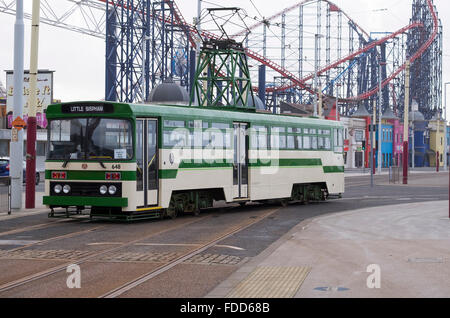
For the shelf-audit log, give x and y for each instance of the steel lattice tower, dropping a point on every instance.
(146, 43)
(426, 70)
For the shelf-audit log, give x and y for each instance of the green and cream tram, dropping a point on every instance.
(135, 160)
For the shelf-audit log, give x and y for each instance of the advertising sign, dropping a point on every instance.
(44, 95)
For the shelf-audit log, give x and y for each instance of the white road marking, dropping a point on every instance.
(104, 243)
(232, 247)
(17, 242)
(166, 244)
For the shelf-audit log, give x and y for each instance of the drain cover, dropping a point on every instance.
(426, 260)
(334, 289)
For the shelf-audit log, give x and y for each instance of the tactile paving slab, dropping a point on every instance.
(271, 282)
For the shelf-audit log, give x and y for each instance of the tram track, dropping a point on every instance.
(59, 268)
(34, 227)
(197, 249)
(167, 266)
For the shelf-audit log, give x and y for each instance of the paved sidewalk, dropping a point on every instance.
(329, 256)
(39, 208)
(385, 172)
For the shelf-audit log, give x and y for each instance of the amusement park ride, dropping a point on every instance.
(150, 41)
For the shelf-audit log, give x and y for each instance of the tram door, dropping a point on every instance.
(147, 162)
(240, 162)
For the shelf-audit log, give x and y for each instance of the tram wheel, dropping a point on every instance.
(171, 211)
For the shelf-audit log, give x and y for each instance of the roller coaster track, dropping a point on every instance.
(373, 44)
(295, 6)
(414, 57)
(297, 82)
(193, 36)
(353, 55)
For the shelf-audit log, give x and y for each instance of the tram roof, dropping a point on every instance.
(185, 112)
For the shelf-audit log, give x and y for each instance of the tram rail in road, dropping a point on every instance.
(165, 267)
(147, 276)
(63, 267)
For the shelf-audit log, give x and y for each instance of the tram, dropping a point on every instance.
(136, 160)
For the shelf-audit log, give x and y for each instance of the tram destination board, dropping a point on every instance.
(87, 108)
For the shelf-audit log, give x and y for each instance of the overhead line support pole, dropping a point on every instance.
(16, 151)
(31, 130)
(405, 125)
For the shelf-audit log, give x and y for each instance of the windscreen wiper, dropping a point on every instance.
(66, 161)
(99, 161)
(101, 164)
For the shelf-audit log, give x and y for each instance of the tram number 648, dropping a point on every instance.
(116, 166)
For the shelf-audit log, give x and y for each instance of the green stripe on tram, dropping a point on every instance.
(205, 164)
(333, 169)
(282, 163)
(285, 163)
(83, 201)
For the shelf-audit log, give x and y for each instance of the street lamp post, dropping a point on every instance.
(316, 58)
(445, 143)
(338, 85)
(380, 111)
(16, 145)
(406, 124)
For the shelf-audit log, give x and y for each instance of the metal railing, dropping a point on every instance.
(395, 173)
(5, 194)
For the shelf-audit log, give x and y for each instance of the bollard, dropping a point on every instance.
(373, 163)
(9, 195)
(437, 161)
(405, 162)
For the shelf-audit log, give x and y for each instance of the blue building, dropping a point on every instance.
(387, 139)
(421, 140)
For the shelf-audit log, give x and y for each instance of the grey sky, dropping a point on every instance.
(79, 59)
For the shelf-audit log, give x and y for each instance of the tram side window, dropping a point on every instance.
(278, 138)
(259, 137)
(174, 123)
(299, 143)
(175, 138)
(327, 143)
(175, 134)
(306, 142)
(321, 143)
(338, 140)
(291, 142)
(221, 135)
(314, 142)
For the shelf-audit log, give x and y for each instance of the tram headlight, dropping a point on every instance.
(58, 188)
(112, 190)
(66, 188)
(103, 189)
